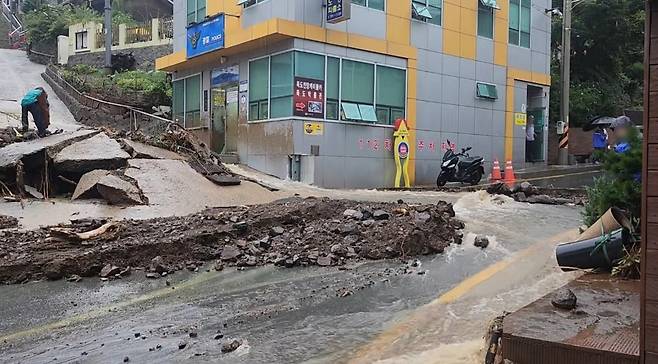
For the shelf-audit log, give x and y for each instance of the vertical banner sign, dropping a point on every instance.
(205, 37)
(308, 98)
(338, 10)
(401, 153)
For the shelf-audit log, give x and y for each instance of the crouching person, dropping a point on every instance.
(35, 102)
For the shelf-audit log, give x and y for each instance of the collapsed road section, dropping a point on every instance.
(97, 163)
(290, 232)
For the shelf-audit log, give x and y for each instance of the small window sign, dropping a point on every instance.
(487, 91)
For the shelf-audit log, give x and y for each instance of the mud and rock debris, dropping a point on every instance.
(526, 192)
(10, 135)
(7, 222)
(288, 233)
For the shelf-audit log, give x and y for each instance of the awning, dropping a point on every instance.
(490, 3)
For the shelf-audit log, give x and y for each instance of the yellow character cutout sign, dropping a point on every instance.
(401, 150)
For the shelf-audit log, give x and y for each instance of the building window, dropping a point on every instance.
(486, 18)
(391, 94)
(258, 89)
(358, 91)
(427, 10)
(248, 3)
(519, 23)
(354, 91)
(186, 103)
(333, 87)
(486, 91)
(81, 40)
(373, 4)
(196, 11)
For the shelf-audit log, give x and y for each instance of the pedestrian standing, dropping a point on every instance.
(529, 137)
(599, 143)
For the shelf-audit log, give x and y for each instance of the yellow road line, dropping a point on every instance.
(392, 334)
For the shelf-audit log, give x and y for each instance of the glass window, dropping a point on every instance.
(391, 94)
(487, 91)
(427, 10)
(196, 11)
(519, 23)
(178, 102)
(193, 101)
(368, 113)
(333, 84)
(351, 111)
(309, 65)
(357, 82)
(373, 4)
(248, 3)
(485, 20)
(281, 85)
(258, 88)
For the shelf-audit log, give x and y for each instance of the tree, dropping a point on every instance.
(606, 59)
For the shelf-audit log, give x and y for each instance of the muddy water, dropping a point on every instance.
(294, 315)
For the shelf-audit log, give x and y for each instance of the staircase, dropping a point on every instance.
(4, 32)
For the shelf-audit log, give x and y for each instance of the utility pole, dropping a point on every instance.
(108, 36)
(563, 156)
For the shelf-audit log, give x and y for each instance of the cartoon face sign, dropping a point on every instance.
(194, 39)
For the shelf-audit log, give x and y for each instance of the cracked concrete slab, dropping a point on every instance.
(175, 184)
(11, 154)
(97, 152)
(145, 151)
(117, 191)
(86, 187)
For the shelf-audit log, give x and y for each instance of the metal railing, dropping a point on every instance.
(139, 120)
(100, 37)
(139, 33)
(17, 36)
(166, 28)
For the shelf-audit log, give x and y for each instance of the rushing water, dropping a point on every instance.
(296, 315)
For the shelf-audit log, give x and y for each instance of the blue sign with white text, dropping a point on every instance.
(206, 36)
(334, 10)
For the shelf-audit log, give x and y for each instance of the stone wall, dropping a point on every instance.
(42, 53)
(86, 111)
(144, 57)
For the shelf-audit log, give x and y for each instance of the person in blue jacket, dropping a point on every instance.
(36, 103)
(599, 142)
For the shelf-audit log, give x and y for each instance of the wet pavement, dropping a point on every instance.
(19, 75)
(299, 315)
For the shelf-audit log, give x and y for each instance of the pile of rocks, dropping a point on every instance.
(526, 192)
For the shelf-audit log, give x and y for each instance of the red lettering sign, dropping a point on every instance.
(308, 98)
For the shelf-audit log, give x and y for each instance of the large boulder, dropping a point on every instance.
(97, 152)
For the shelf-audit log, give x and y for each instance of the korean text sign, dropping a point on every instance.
(206, 36)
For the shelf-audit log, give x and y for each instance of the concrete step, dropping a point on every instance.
(552, 171)
(230, 158)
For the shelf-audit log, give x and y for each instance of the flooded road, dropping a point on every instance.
(371, 312)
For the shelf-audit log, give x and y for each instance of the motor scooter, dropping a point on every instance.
(460, 167)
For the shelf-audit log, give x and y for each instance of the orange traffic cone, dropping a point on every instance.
(509, 173)
(495, 172)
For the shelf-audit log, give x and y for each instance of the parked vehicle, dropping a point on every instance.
(460, 167)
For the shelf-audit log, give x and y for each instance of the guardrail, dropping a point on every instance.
(139, 120)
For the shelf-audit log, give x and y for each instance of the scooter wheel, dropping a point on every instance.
(477, 176)
(440, 182)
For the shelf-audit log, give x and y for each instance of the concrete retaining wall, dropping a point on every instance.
(144, 57)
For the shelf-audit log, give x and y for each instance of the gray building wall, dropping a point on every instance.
(180, 25)
(447, 106)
